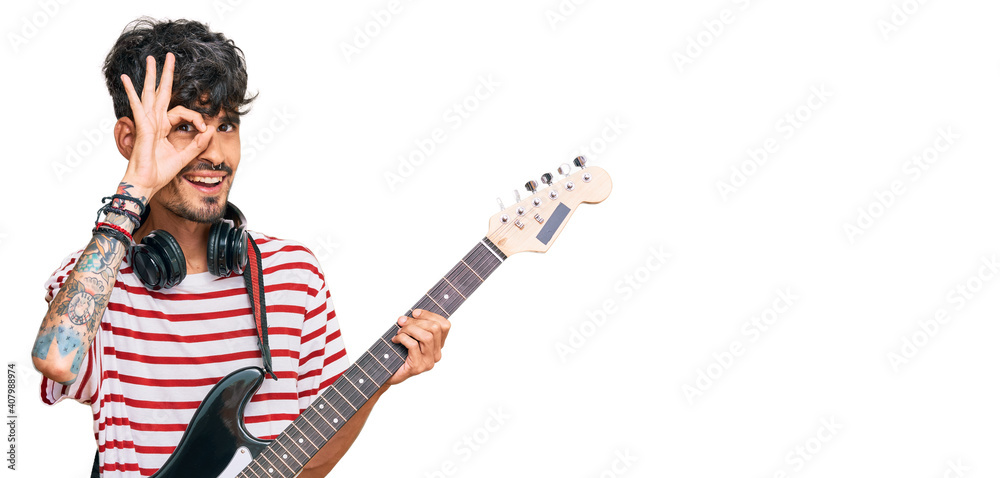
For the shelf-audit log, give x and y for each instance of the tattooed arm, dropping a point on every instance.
(75, 313)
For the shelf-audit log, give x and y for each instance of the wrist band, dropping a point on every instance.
(142, 207)
(114, 234)
(133, 217)
(107, 226)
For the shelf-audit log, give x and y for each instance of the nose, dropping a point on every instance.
(213, 153)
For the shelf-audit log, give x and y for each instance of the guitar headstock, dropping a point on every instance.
(535, 222)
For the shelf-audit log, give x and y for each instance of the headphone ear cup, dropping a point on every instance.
(237, 243)
(159, 261)
(217, 250)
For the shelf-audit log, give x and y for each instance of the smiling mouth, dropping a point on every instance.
(208, 184)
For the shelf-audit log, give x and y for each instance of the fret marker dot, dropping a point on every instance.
(361, 380)
(285, 456)
(335, 420)
(300, 440)
(321, 406)
(446, 297)
(386, 356)
(270, 470)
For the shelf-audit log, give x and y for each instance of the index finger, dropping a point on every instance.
(133, 99)
(166, 83)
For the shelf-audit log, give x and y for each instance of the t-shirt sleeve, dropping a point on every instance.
(322, 357)
(85, 385)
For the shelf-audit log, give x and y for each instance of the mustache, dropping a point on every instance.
(205, 167)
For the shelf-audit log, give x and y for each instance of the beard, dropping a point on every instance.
(203, 209)
(209, 209)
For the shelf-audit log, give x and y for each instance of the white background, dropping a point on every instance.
(328, 126)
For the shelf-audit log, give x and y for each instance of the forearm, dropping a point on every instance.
(75, 313)
(331, 453)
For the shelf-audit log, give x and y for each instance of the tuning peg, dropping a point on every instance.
(517, 196)
(531, 186)
(501, 204)
(564, 169)
(547, 179)
(580, 162)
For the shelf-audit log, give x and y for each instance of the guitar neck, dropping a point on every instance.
(304, 437)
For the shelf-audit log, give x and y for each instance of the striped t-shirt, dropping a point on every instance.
(158, 353)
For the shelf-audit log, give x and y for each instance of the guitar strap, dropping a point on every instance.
(253, 278)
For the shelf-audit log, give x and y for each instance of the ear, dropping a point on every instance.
(125, 136)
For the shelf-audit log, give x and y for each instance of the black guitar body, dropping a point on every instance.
(217, 432)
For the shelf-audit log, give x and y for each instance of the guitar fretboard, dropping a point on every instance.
(307, 434)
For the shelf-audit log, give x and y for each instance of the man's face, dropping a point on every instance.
(200, 191)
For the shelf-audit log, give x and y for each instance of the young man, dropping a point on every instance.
(144, 357)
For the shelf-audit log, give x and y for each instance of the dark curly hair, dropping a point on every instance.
(208, 66)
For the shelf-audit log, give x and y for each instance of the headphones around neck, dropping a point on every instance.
(159, 261)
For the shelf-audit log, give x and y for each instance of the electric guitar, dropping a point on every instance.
(216, 442)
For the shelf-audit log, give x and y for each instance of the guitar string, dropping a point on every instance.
(476, 256)
(473, 259)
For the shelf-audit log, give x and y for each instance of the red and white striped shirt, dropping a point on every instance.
(158, 353)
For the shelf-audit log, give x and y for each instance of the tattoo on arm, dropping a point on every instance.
(125, 189)
(75, 313)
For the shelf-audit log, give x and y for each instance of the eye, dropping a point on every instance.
(186, 127)
(227, 127)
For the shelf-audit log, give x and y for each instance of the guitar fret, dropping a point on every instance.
(426, 303)
(390, 344)
(288, 453)
(271, 467)
(359, 380)
(438, 305)
(304, 436)
(310, 416)
(341, 415)
(344, 394)
(318, 433)
(473, 271)
(369, 352)
(374, 370)
(453, 287)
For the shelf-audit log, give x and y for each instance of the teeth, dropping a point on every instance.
(206, 180)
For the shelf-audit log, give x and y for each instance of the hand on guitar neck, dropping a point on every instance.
(423, 335)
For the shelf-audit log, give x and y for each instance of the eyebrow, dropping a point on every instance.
(231, 118)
